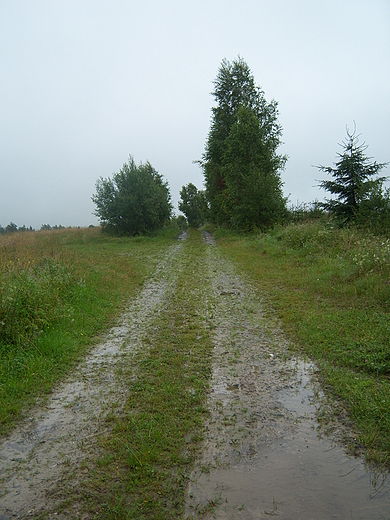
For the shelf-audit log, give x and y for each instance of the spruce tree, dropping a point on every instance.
(353, 182)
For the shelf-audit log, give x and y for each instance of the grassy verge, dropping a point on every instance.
(144, 463)
(59, 290)
(331, 289)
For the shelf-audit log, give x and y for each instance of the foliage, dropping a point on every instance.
(353, 183)
(134, 202)
(253, 195)
(32, 298)
(193, 204)
(303, 212)
(11, 228)
(181, 222)
(240, 162)
(48, 227)
(374, 211)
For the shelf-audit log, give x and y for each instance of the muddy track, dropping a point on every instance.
(261, 456)
(264, 453)
(57, 435)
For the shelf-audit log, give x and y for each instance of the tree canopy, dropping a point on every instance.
(353, 184)
(240, 162)
(193, 204)
(135, 201)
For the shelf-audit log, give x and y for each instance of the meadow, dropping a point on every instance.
(60, 290)
(330, 288)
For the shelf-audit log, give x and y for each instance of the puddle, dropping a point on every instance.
(262, 454)
(297, 476)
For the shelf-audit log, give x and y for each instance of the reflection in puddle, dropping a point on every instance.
(298, 476)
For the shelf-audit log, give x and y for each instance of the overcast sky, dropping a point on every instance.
(85, 83)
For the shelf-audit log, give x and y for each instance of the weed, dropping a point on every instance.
(210, 507)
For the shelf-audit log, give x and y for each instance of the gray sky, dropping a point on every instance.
(85, 83)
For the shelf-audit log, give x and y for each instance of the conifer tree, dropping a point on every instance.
(353, 182)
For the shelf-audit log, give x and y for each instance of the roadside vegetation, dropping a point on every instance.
(331, 289)
(241, 163)
(325, 269)
(193, 205)
(136, 201)
(59, 290)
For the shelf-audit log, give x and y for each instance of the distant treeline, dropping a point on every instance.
(12, 228)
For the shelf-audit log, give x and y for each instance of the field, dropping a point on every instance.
(59, 291)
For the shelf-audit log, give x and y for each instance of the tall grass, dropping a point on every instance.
(331, 289)
(59, 290)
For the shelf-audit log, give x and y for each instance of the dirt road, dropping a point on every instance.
(262, 455)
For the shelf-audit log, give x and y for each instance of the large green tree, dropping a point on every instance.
(135, 201)
(241, 164)
(253, 194)
(353, 184)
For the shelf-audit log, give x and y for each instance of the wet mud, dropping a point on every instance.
(57, 436)
(264, 454)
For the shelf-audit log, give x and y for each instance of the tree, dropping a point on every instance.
(374, 211)
(11, 228)
(193, 204)
(135, 201)
(241, 150)
(353, 183)
(253, 195)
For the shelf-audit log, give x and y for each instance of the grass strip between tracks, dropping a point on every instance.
(143, 469)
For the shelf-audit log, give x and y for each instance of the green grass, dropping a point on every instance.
(144, 462)
(59, 290)
(331, 290)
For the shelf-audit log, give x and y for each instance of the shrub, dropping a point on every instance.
(134, 202)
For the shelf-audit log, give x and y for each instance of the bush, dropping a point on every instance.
(374, 212)
(181, 222)
(32, 299)
(134, 202)
(304, 212)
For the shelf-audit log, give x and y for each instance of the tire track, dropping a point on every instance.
(263, 453)
(60, 434)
